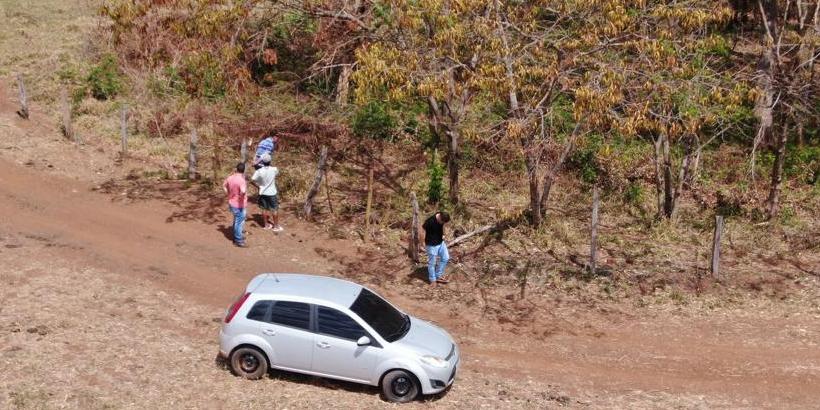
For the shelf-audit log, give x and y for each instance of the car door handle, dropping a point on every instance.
(323, 345)
(269, 332)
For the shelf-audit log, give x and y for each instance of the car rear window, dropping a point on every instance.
(335, 323)
(259, 311)
(293, 314)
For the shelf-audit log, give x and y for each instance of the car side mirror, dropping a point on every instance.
(363, 341)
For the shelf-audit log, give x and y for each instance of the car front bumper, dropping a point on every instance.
(439, 379)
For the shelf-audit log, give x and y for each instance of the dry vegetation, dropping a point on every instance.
(640, 255)
(74, 336)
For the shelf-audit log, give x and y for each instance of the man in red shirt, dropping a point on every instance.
(237, 190)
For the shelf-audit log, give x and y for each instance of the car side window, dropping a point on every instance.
(293, 314)
(332, 322)
(259, 311)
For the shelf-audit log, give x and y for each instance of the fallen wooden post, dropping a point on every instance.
(715, 268)
(468, 235)
(413, 247)
(23, 98)
(317, 183)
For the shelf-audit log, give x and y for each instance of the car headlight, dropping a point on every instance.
(434, 361)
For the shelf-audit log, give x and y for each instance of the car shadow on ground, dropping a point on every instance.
(351, 387)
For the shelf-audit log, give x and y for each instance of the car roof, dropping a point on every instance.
(324, 288)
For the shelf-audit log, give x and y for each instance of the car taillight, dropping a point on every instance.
(235, 307)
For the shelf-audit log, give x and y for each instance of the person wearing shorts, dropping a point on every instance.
(265, 179)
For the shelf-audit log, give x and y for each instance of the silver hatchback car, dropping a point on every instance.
(333, 328)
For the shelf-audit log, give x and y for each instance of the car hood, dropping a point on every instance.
(426, 339)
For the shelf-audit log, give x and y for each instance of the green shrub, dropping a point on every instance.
(169, 82)
(633, 194)
(435, 171)
(788, 216)
(584, 160)
(104, 80)
(803, 163)
(373, 120)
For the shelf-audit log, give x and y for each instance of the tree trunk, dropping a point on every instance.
(343, 85)
(192, 154)
(658, 143)
(766, 67)
(715, 266)
(453, 166)
(124, 130)
(413, 248)
(317, 183)
(549, 178)
(593, 232)
(668, 184)
(437, 126)
(773, 202)
(369, 202)
(535, 192)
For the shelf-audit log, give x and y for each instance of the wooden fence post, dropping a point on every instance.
(192, 175)
(593, 236)
(23, 98)
(216, 160)
(715, 268)
(124, 130)
(327, 192)
(369, 203)
(243, 150)
(413, 251)
(68, 129)
(317, 183)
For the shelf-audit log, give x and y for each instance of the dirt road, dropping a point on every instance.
(765, 356)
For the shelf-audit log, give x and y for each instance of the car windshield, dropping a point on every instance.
(391, 324)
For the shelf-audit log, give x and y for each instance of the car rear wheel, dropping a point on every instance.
(400, 386)
(248, 363)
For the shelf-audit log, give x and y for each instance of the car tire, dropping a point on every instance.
(399, 386)
(248, 363)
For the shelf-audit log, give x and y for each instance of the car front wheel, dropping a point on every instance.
(248, 363)
(400, 386)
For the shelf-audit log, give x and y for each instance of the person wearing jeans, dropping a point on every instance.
(437, 254)
(237, 190)
(238, 225)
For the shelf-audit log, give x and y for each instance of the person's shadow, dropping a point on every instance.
(226, 230)
(418, 273)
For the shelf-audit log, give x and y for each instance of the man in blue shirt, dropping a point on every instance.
(266, 146)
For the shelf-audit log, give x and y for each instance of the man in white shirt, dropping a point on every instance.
(265, 179)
